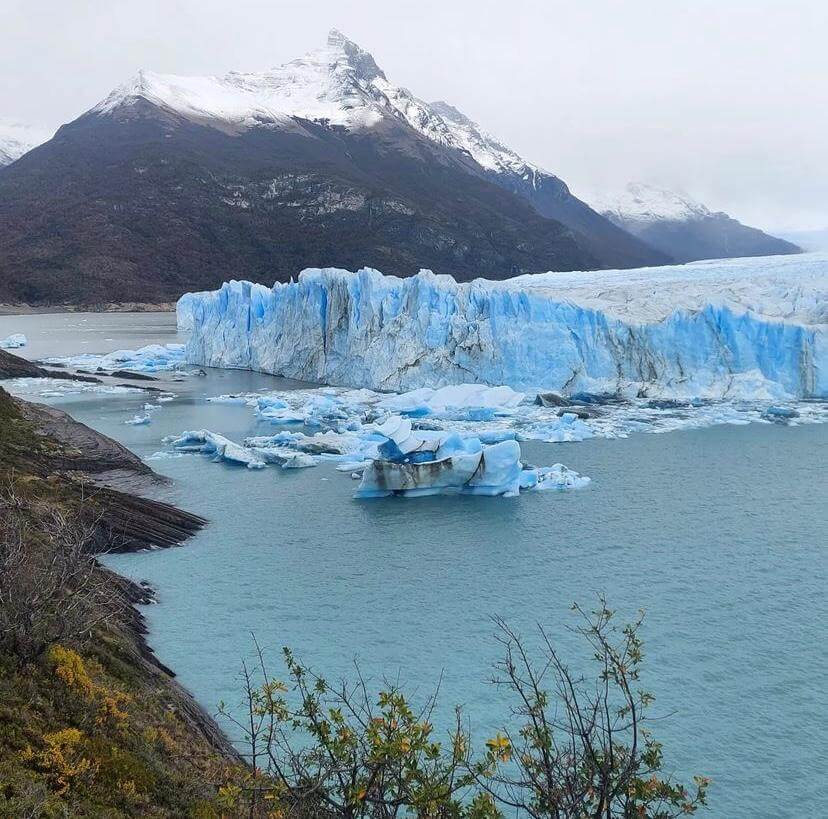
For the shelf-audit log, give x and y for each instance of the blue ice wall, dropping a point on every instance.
(368, 330)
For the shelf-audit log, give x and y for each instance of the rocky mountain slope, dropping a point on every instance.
(683, 228)
(177, 183)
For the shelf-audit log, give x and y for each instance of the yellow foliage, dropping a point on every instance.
(500, 748)
(110, 703)
(62, 759)
(69, 666)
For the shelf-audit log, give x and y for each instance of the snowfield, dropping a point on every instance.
(744, 328)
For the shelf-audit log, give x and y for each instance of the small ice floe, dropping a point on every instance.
(138, 420)
(13, 342)
(557, 477)
(165, 398)
(164, 455)
(459, 402)
(152, 358)
(556, 430)
(230, 398)
(420, 463)
(286, 458)
(780, 414)
(217, 447)
(59, 387)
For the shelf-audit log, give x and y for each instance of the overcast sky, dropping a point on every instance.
(727, 99)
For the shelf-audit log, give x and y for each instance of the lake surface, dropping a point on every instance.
(719, 533)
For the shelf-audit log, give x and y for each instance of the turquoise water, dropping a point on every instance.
(720, 534)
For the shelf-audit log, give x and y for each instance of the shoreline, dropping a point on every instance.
(90, 480)
(111, 307)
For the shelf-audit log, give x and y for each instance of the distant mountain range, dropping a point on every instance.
(179, 183)
(685, 229)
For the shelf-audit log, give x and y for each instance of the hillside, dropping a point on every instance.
(91, 723)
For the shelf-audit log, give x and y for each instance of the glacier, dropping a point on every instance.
(745, 328)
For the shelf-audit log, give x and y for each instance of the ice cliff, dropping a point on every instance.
(750, 328)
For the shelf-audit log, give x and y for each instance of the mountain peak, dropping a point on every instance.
(360, 60)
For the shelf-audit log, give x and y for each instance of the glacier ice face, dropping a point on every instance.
(742, 328)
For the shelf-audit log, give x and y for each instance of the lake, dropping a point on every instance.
(719, 533)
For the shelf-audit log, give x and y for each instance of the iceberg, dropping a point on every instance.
(152, 358)
(13, 342)
(415, 463)
(217, 447)
(745, 328)
(138, 420)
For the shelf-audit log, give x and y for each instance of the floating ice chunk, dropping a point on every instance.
(774, 413)
(461, 401)
(59, 387)
(416, 463)
(556, 477)
(299, 461)
(163, 455)
(217, 446)
(13, 342)
(138, 420)
(152, 358)
(264, 402)
(493, 471)
(567, 427)
(229, 399)
(286, 417)
(285, 458)
(353, 467)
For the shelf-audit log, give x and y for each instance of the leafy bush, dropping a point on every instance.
(574, 747)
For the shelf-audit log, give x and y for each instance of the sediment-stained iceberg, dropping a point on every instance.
(414, 463)
(746, 328)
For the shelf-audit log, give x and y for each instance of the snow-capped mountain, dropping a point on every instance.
(682, 227)
(337, 85)
(17, 138)
(176, 183)
(340, 85)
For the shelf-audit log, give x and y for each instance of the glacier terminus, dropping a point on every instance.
(751, 328)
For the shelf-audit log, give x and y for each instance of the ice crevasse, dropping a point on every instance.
(740, 328)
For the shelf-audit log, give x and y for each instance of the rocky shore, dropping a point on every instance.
(50, 461)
